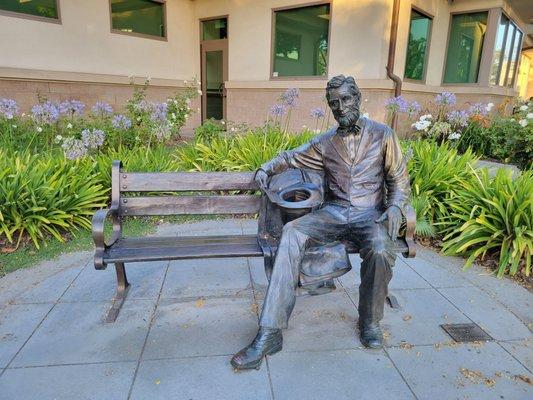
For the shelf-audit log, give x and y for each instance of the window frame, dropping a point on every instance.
(163, 38)
(202, 20)
(482, 56)
(507, 84)
(35, 17)
(273, 41)
(426, 58)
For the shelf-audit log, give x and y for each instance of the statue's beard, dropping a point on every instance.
(349, 119)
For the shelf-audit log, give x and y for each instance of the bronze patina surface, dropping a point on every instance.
(366, 190)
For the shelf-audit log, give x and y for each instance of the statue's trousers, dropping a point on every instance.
(330, 223)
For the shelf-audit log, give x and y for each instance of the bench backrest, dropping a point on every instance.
(195, 200)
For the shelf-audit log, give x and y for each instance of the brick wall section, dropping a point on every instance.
(243, 105)
(25, 92)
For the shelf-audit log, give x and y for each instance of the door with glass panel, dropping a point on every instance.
(214, 51)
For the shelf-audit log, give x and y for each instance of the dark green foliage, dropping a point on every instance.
(208, 131)
(492, 217)
(503, 139)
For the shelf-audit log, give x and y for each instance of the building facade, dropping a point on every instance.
(247, 52)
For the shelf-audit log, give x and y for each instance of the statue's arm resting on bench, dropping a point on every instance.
(398, 187)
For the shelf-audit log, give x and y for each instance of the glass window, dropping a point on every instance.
(40, 8)
(513, 65)
(139, 16)
(301, 41)
(465, 45)
(506, 53)
(417, 46)
(498, 47)
(215, 29)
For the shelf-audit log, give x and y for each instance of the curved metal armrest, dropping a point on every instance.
(100, 243)
(410, 223)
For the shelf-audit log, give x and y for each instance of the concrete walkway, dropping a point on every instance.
(184, 319)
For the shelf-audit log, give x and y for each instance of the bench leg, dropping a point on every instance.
(122, 290)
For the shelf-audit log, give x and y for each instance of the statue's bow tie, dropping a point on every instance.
(346, 130)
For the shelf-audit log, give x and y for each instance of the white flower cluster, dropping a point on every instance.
(423, 123)
(454, 136)
(525, 121)
(489, 106)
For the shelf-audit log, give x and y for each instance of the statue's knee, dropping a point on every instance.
(290, 228)
(291, 232)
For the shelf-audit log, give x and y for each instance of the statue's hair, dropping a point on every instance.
(339, 80)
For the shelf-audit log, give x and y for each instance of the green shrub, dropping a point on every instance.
(492, 216)
(424, 227)
(435, 173)
(477, 138)
(46, 195)
(502, 139)
(154, 159)
(244, 152)
(208, 131)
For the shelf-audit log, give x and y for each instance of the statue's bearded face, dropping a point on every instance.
(344, 105)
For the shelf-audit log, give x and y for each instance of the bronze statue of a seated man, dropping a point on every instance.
(366, 184)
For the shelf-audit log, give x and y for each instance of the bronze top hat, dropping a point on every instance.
(294, 194)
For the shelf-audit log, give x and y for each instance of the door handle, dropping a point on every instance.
(222, 90)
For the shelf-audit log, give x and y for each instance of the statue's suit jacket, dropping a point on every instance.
(373, 178)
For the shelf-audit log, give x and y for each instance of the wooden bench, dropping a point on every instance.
(198, 200)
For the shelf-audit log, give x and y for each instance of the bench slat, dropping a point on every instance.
(187, 205)
(173, 241)
(186, 181)
(172, 248)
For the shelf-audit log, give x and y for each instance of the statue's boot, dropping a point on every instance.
(371, 335)
(267, 341)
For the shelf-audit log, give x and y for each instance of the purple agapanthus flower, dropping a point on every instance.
(121, 122)
(102, 109)
(413, 108)
(8, 108)
(159, 112)
(71, 107)
(73, 148)
(458, 118)
(394, 104)
(317, 113)
(289, 98)
(277, 110)
(45, 113)
(479, 109)
(445, 99)
(92, 138)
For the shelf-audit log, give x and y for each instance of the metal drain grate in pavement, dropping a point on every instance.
(466, 332)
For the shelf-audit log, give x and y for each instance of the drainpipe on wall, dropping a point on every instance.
(392, 51)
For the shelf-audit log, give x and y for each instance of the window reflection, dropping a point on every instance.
(138, 16)
(506, 53)
(40, 8)
(301, 41)
(417, 46)
(465, 45)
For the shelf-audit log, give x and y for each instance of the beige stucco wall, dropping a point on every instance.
(83, 42)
